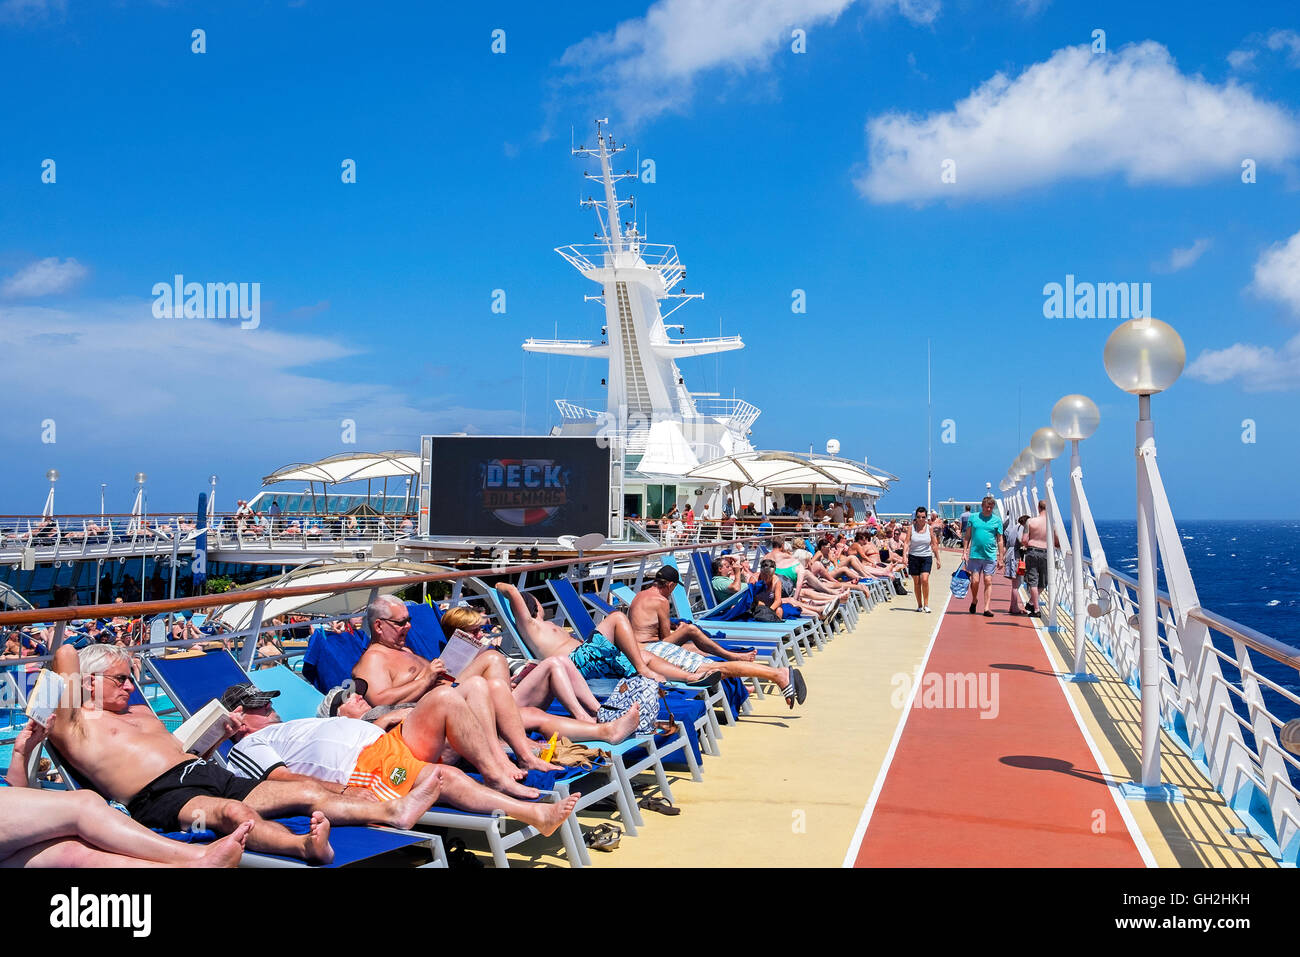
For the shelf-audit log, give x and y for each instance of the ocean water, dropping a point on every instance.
(1248, 571)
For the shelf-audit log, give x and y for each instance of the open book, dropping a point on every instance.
(461, 649)
(203, 729)
(45, 697)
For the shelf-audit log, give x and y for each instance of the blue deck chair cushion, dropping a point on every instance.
(297, 698)
(425, 637)
(331, 656)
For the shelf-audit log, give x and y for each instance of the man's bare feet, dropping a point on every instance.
(613, 732)
(742, 655)
(316, 842)
(409, 808)
(511, 787)
(535, 763)
(547, 818)
(227, 851)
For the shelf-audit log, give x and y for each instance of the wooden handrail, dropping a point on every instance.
(77, 612)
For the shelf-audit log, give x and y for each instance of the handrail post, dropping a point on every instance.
(249, 649)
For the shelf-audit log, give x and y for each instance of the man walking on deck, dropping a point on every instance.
(983, 552)
(1036, 556)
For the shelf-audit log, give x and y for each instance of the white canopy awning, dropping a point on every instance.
(787, 471)
(349, 467)
(329, 574)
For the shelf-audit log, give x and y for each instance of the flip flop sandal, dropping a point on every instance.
(604, 837)
(709, 681)
(664, 727)
(662, 805)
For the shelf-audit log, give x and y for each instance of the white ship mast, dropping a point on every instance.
(667, 428)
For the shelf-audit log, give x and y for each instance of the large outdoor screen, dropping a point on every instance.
(514, 486)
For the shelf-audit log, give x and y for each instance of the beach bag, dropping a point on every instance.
(763, 612)
(629, 690)
(960, 583)
(898, 587)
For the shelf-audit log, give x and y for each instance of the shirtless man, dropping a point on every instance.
(131, 757)
(612, 652)
(394, 674)
(1036, 571)
(681, 646)
(352, 755)
(40, 828)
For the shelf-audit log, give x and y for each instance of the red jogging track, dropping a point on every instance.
(1017, 790)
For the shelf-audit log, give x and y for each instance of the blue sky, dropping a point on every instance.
(775, 170)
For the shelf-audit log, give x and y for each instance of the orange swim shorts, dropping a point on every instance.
(387, 767)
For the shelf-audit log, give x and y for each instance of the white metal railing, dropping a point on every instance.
(51, 626)
(1225, 724)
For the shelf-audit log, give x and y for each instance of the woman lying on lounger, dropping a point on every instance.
(40, 828)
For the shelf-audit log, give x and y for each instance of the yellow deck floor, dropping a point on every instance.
(790, 786)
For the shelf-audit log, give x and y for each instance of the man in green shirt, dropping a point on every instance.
(982, 552)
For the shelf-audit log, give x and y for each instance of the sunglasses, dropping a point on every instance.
(399, 622)
(119, 680)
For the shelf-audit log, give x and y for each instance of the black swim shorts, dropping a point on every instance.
(159, 803)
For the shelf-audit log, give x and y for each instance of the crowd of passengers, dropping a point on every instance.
(382, 748)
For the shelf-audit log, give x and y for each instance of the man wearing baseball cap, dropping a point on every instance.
(687, 647)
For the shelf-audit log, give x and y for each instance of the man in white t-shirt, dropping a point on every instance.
(344, 751)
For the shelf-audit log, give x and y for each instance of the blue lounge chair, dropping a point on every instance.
(656, 750)
(801, 633)
(575, 612)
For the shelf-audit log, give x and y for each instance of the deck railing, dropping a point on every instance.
(1212, 698)
(605, 569)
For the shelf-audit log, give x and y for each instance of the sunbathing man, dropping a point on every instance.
(393, 674)
(351, 755)
(611, 652)
(131, 757)
(649, 615)
(40, 828)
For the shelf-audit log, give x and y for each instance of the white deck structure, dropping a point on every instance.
(656, 425)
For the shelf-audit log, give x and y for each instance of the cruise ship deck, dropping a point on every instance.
(869, 773)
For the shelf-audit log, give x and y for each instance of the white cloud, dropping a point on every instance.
(1242, 59)
(1078, 115)
(648, 66)
(1032, 7)
(177, 387)
(1288, 40)
(28, 11)
(43, 278)
(1277, 273)
(1256, 368)
(1262, 368)
(1183, 257)
(1245, 57)
(921, 12)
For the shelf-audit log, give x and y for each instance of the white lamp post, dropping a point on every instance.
(1047, 445)
(1143, 357)
(51, 476)
(139, 511)
(1075, 418)
(1029, 462)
